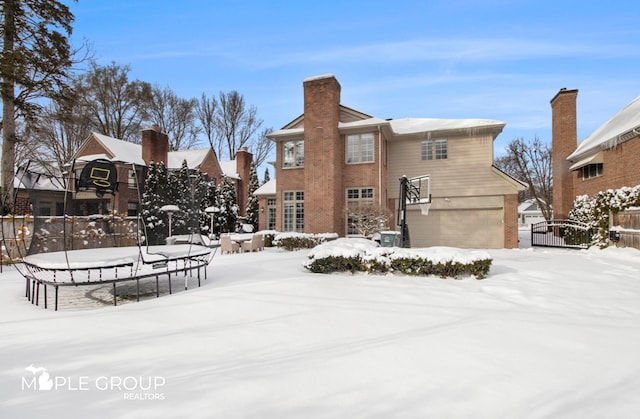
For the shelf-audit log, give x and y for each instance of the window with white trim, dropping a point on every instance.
(357, 198)
(360, 148)
(293, 154)
(132, 179)
(293, 211)
(271, 213)
(433, 149)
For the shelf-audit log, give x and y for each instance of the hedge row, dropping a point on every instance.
(297, 241)
(414, 265)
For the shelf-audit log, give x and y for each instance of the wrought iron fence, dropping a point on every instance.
(561, 233)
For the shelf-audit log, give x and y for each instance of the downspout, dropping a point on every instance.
(380, 167)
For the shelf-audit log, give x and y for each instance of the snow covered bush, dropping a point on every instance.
(344, 255)
(296, 241)
(594, 211)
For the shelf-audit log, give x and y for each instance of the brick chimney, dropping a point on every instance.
(323, 156)
(243, 167)
(155, 145)
(564, 140)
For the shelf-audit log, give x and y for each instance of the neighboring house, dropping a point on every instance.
(33, 183)
(333, 156)
(609, 158)
(529, 213)
(132, 160)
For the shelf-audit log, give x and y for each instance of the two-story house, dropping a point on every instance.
(332, 157)
(609, 158)
(131, 162)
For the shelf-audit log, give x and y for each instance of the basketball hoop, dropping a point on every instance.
(424, 208)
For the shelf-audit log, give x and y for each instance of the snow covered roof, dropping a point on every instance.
(406, 126)
(530, 205)
(194, 158)
(122, 151)
(126, 152)
(417, 125)
(621, 127)
(269, 188)
(37, 178)
(230, 169)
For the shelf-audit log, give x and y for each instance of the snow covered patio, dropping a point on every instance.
(549, 333)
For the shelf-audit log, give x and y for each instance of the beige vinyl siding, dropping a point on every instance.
(467, 170)
(471, 228)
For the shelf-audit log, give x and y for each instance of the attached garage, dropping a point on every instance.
(458, 222)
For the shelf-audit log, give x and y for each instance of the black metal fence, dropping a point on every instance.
(561, 233)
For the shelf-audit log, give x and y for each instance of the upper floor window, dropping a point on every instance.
(592, 170)
(293, 153)
(428, 152)
(360, 148)
(132, 179)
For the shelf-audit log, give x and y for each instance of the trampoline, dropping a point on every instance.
(85, 242)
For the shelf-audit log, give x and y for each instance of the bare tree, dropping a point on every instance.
(530, 162)
(116, 106)
(235, 123)
(206, 112)
(261, 147)
(175, 117)
(54, 138)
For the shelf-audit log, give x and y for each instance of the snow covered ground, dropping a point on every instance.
(549, 333)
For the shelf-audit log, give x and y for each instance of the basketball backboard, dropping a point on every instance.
(418, 190)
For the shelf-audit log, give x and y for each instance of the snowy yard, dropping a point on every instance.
(549, 333)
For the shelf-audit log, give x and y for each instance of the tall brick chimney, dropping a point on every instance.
(564, 140)
(323, 156)
(243, 167)
(155, 145)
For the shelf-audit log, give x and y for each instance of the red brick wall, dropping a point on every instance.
(324, 157)
(564, 142)
(211, 167)
(243, 166)
(155, 145)
(93, 146)
(511, 221)
(621, 168)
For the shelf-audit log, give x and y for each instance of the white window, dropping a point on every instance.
(271, 213)
(360, 148)
(293, 213)
(293, 154)
(427, 149)
(357, 198)
(132, 180)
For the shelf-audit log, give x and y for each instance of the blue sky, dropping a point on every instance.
(494, 59)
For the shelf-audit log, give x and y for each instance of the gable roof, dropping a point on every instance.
(622, 127)
(116, 150)
(126, 152)
(230, 169)
(194, 158)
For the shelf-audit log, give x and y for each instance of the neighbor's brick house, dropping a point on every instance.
(609, 158)
(332, 157)
(132, 160)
